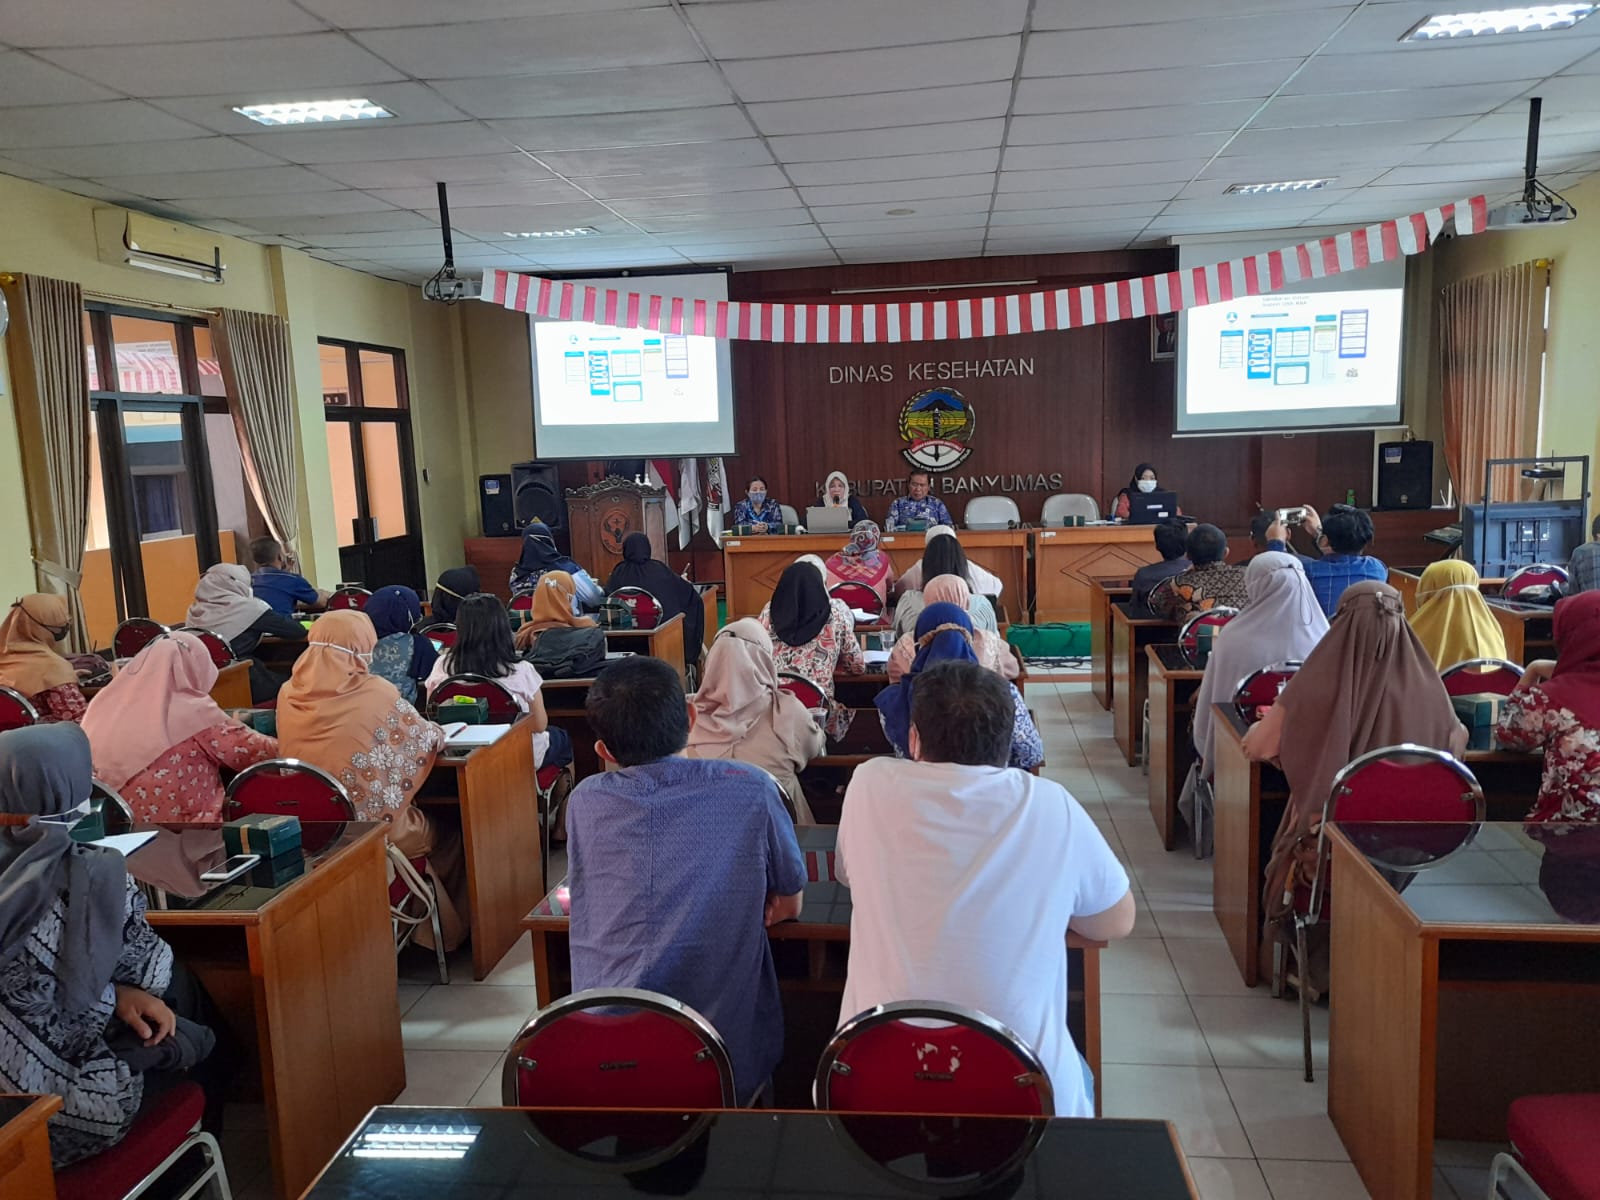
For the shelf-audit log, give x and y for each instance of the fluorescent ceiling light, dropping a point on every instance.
(1282, 185)
(1539, 19)
(575, 231)
(312, 112)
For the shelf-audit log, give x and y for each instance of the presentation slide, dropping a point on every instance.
(604, 392)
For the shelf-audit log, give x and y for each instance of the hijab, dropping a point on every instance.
(45, 771)
(672, 591)
(159, 700)
(1451, 620)
(864, 543)
(1281, 622)
(224, 603)
(539, 551)
(333, 708)
(1575, 685)
(739, 689)
(827, 497)
(393, 610)
(453, 587)
(944, 634)
(947, 589)
(815, 561)
(28, 658)
(1133, 483)
(552, 608)
(800, 605)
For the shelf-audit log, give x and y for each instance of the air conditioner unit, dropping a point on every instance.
(139, 240)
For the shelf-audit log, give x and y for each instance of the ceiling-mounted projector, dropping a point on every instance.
(1538, 205)
(446, 286)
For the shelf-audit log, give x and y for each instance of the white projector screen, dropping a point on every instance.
(604, 392)
(1322, 354)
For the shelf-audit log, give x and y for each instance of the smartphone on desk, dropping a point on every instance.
(231, 869)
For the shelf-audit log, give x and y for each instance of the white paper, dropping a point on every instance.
(866, 618)
(479, 735)
(875, 658)
(125, 842)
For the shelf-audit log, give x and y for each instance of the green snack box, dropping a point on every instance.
(275, 872)
(1480, 713)
(469, 710)
(266, 834)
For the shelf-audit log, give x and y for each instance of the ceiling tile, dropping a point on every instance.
(1175, 170)
(1361, 138)
(641, 160)
(496, 222)
(274, 66)
(905, 189)
(1106, 155)
(872, 143)
(1562, 94)
(1073, 14)
(379, 14)
(708, 205)
(1430, 66)
(1465, 178)
(666, 127)
(372, 143)
(924, 206)
(1571, 129)
(1195, 84)
(254, 181)
(896, 166)
(883, 109)
(538, 45)
(854, 72)
(95, 23)
(331, 233)
(1378, 28)
(28, 80)
(1108, 216)
(269, 207)
(484, 195)
(900, 226)
(1176, 44)
(22, 170)
(695, 183)
(1070, 195)
(628, 89)
(781, 233)
(199, 154)
(90, 124)
(411, 104)
(1351, 109)
(757, 29)
(1223, 117)
(674, 224)
(425, 172)
(906, 254)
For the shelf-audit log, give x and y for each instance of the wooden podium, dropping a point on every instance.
(600, 515)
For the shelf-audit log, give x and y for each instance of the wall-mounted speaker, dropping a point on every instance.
(536, 493)
(494, 503)
(1405, 474)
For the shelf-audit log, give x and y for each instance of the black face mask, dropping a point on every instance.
(59, 632)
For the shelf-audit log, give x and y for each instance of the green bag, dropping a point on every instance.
(469, 710)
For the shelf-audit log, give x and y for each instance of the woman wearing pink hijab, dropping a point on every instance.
(741, 713)
(992, 650)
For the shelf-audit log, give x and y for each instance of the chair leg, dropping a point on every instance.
(1198, 825)
(1280, 968)
(214, 1169)
(1144, 741)
(438, 934)
(1304, 989)
(542, 803)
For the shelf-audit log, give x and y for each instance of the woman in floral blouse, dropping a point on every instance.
(161, 741)
(1556, 708)
(813, 637)
(30, 662)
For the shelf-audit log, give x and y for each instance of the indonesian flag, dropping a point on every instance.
(659, 473)
(718, 505)
(688, 500)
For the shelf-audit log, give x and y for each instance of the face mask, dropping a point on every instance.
(71, 817)
(757, 499)
(1147, 485)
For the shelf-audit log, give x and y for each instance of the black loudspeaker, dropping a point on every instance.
(536, 492)
(1405, 475)
(494, 502)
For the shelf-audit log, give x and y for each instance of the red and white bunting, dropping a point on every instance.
(989, 316)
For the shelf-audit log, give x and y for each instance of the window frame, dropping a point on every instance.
(355, 415)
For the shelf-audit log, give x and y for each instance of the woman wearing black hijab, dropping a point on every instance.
(540, 554)
(453, 587)
(813, 636)
(674, 593)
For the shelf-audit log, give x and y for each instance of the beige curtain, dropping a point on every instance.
(253, 350)
(51, 384)
(1492, 346)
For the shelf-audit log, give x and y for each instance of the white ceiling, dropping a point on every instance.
(772, 133)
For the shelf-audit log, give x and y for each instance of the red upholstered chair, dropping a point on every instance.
(291, 788)
(1189, 634)
(133, 635)
(1485, 676)
(221, 653)
(1259, 690)
(1535, 583)
(16, 710)
(1404, 784)
(920, 1057)
(503, 706)
(858, 596)
(164, 1132)
(1554, 1150)
(522, 602)
(618, 1048)
(802, 689)
(443, 637)
(348, 597)
(646, 609)
(413, 903)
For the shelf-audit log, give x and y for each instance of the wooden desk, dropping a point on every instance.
(493, 558)
(1130, 673)
(563, 705)
(1251, 797)
(708, 599)
(1529, 629)
(1066, 562)
(1174, 684)
(25, 1170)
(1458, 994)
(810, 955)
(751, 565)
(304, 974)
(232, 689)
(664, 641)
(494, 790)
(279, 654)
(1103, 595)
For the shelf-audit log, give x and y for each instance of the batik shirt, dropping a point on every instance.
(929, 509)
(1570, 790)
(770, 513)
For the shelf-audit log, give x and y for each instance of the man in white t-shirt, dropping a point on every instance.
(965, 876)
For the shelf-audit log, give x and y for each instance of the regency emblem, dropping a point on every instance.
(938, 424)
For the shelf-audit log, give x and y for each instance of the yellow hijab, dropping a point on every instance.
(1452, 621)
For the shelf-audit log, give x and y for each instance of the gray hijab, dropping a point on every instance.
(44, 771)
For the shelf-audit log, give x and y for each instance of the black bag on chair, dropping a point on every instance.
(564, 653)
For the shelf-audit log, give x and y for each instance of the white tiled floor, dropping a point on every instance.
(1184, 1040)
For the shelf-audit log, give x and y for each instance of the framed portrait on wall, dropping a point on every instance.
(1163, 336)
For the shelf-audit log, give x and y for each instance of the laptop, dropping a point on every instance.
(1146, 508)
(827, 519)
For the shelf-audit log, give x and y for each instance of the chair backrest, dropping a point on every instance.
(921, 1057)
(133, 635)
(618, 1048)
(1479, 676)
(503, 706)
(802, 689)
(791, 516)
(288, 787)
(1538, 581)
(1069, 504)
(221, 653)
(349, 597)
(16, 710)
(1189, 633)
(646, 609)
(113, 809)
(442, 636)
(522, 601)
(858, 595)
(1259, 690)
(991, 512)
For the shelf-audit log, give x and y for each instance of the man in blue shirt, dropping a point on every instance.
(918, 505)
(1343, 540)
(284, 591)
(758, 509)
(677, 866)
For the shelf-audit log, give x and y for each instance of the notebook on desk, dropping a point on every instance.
(469, 737)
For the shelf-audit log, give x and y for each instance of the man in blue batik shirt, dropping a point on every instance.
(918, 505)
(758, 509)
(1342, 540)
(678, 865)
